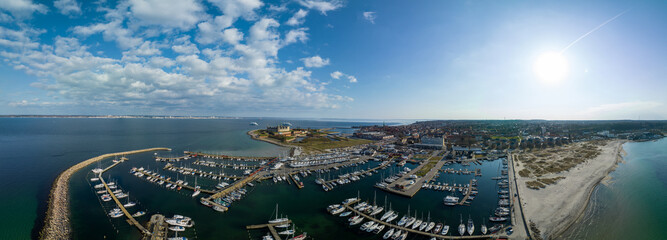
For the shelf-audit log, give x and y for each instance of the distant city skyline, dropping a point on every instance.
(335, 59)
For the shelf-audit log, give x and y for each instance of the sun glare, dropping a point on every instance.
(551, 67)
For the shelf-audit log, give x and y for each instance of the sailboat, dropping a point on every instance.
(471, 226)
(129, 204)
(483, 228)
(278, 220)
(462, 227)
(197, 191)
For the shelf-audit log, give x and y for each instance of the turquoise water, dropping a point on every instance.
(633, 205)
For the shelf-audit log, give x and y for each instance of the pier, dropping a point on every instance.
(130, 219)
(384, 164)
(171, 159)
(158, 227)
(220, 156)
(271, 227)
(414, 188)
(416, 231)
(192, 170)
(174, 183)
(467, 193)
(223, 165)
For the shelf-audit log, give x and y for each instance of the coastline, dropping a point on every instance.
(556, 208)
(56, 222)
(254, 136)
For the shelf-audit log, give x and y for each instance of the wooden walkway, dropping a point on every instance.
(130, 219)
(271, 227)
(362, 172)
(172, 167)
(183, 186)
(467, 194)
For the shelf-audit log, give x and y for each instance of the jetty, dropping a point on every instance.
(270, 226)
(174, 183)
(384, 164)
(158, 227)
(130, 219)
(414, 188)
(171, 159)
(57, 225)
(195, 171)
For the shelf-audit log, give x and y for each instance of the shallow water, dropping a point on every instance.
(633, 205)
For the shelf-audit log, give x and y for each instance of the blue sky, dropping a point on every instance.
(340, 59)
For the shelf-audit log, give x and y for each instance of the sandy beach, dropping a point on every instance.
(556, 207)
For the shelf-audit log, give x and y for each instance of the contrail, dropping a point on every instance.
(594, 29)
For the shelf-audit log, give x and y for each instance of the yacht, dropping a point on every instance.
(462, 228)
(417, 224)
(181, 222)
(388, 234)
(483, 228)
(356, 221)
(430, 226)
(253, 124)
(278, 220)
(437, 228)
(345, 214)
(445, 230)
(177, 228)
(379, 228)
(396, 234)
(471, 226)
(138, 214)
(386, 215)
(451, 200)
(94, 179)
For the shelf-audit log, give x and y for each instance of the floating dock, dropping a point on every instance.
(271, 227)
(130, 219)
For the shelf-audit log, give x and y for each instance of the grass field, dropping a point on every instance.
(319, 144)
(431, 163)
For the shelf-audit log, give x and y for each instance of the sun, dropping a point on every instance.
(551, 67)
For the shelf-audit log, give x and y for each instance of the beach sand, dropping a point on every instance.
(556, 207)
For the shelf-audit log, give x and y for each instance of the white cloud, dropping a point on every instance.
(322, 5)
(184, 46)
(338, 75)
(22, 8)
(111, 31)
(238, 8)
(315, 62)
(67, 7)
(183, 14)
(221, 66)
(297, 18)
(296, 35)
(370, 16)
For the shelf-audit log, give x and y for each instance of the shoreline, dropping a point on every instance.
(584, 205)
(56, 222)
(556, 208)
(254, 137)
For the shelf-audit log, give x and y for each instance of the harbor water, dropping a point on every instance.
(36, 150)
